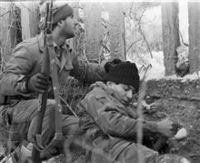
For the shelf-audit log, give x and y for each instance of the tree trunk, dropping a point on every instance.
(78, 40)
(8, 30)
(93, 27)
(15, 26)
(170, 28)
(194, 36)
(29, 19)
(117, 30)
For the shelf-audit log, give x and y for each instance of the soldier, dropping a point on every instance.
(109, 124)
(22, 80)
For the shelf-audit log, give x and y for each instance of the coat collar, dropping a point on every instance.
(114, 94)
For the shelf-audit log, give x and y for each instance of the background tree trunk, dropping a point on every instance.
(15, 26)
(194, 36)
(6, 17)
(30, 19)
(170, 28)
(116, 30)
(9, 30)
(79, 39)
(93, 27)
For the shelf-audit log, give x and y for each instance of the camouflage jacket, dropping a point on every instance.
(26, 60)
(101, 111)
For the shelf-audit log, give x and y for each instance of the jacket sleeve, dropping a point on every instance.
(13, 78)
(116, 123)
(87, 72)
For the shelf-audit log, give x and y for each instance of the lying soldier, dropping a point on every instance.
(110, 125)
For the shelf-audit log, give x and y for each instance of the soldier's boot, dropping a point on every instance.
(171, 158)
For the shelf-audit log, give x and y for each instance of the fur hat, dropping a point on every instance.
(123, 72)
(60, 12)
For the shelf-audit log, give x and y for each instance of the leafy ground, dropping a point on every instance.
(181, 100)
(177, 97)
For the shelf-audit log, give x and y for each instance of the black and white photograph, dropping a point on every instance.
(99, 81)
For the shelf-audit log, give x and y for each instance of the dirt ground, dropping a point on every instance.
(181, 101)
(176, 98)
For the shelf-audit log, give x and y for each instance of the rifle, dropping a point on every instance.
(48, 58)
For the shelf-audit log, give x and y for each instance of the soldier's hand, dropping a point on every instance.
(38, 83)
(166, 128)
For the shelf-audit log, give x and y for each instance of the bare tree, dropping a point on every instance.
(116, 30)
(93, 27)
(30, 19)
(170, 27)
(8, 29)
(194, 36)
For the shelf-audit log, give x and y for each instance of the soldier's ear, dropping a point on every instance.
(60, 23)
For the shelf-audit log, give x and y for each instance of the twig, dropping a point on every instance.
(141, 96)
(69, 107)
(130, 46)
(100, 53)
(7, 12)
(140, 29)
(143, 35)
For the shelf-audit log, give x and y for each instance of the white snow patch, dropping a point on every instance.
(157, 71)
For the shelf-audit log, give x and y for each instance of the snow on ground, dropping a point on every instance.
(157, 71)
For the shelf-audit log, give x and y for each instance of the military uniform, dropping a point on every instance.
(19, 105)
(110, 125)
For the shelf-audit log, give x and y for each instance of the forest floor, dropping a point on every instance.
(175, 97)
(180, 99)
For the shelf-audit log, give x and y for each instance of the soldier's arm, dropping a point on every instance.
(121, 125)
(87, 72)
(113, 122)
(13, 78)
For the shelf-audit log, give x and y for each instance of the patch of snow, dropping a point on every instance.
(157, 71)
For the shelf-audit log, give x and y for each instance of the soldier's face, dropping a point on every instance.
(68, 26)
(125, 91)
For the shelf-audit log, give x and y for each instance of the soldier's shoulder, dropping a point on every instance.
(30, 44)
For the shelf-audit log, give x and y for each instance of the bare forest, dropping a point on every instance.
(161, 37)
